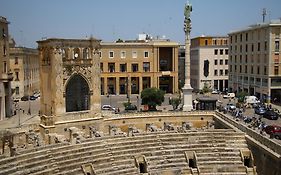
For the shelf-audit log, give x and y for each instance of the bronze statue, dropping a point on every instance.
(187, 11)
(187, 20)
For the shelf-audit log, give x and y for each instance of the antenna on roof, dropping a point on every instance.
(263, 14)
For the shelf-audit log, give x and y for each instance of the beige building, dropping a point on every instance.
(24, 64)
(209, 62)
(255, 60)
(5, 73)
(128, 67)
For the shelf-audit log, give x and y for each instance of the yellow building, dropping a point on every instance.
(24, 64)
(254, 60)
(5, 74)
(128, 67)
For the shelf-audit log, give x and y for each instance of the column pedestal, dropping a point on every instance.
(187, 98)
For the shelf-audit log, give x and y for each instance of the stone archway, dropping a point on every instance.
(77, 96)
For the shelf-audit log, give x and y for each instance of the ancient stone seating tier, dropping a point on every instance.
(208, 152)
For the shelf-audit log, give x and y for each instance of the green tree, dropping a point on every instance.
(241, 96)
(152, 97)
(175, 102)
(206, 89)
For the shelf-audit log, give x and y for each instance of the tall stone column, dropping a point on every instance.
(187, 89)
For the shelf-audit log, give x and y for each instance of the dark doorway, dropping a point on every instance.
(143, 168)
(77, 94)
(166, 84)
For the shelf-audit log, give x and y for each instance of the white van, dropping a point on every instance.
(251, 100)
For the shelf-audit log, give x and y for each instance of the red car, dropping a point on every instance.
(273, 131)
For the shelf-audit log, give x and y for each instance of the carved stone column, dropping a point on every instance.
(187, 89)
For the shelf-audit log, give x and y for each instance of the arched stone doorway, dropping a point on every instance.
(77, 94)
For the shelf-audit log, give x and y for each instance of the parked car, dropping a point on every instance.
(273, 131)
(230, 106)
(131, 107)
(36, 95)
(32, 97)
(260, 110)
(215, 91)
(229, 95)
(24, 98)
(271, 115)
(107, 107)
(251, 100)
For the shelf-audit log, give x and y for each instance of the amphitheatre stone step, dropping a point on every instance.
(226, 173)
(207, 168)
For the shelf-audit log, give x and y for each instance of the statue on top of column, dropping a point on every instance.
(187, 20)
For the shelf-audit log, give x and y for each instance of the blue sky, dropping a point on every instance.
(32, 20)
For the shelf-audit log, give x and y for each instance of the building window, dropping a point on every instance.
(252, 69)
(123, 67)
(246, 48)
(276, 70)
(226, 62)
(240, 68)
(85, 53)
(134, 54)
(100, 54)
(206, 42)
(216, 72)
(111, 54)
(221, 51)
(216, 51)
(111, 67)
(246, 58)
(252, 47)
(5, 67)
(226, 72)
(4, 50)
(258, 70)
(17, 76)
(216, 62)
(146, 55)
(265, 70)
(226, 51)
(123, 54)
(221, 62)
(101, 67)
(17, 90)
(16, 60)
(246, 69)
(276, 46)
(221, 72)
(135, 67)
(146, 67)
(246, 36)
(259, 46)
(265, 46)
